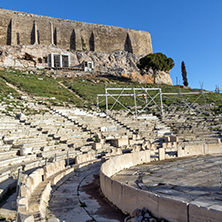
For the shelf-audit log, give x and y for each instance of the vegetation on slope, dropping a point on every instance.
(85, 90)
(6, 91)
(40, 86)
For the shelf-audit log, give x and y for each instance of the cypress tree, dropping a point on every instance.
(184, 74)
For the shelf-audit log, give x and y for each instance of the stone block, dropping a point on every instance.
(129, 199)
(120, 142)
(161, 153)
(24, 151)
(214, 148)
(148, 200)
(180, 152)
(117, 190)
(108, 188)
(140, 157)
(200, 212)
(173, 210)
(109, 167)
(102, 181)
(61, 175)
(97, 146)
(191, 150)
(125, 161)
(22, 204)
(85, 157)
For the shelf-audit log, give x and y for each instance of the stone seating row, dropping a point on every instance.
(75, 152)
(35, 189)
(52, 173)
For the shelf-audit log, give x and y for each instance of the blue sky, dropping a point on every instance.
(189, 31)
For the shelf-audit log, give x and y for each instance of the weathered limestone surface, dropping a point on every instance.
(19, 28)
(117, 63)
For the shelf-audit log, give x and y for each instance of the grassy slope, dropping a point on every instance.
(6, 90)
(40, 86)
(88, 88)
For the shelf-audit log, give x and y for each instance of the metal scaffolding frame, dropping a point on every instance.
(180, 94)
(144, 92)
(138, 92)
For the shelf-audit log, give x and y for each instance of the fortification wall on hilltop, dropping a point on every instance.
(18, 28)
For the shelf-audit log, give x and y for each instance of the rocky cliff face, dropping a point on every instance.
(118, 63)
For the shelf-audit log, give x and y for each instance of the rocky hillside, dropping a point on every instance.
(118, 63)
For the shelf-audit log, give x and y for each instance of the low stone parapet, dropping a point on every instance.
(53, 168)
(45, 196)
(85, 158)
(27, 188)
(30, 184)
(59, 176)
(128, 198)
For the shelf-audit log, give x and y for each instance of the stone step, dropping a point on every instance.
(8, 154)
(34, 201)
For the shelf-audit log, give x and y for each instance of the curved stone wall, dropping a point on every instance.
(128, 198)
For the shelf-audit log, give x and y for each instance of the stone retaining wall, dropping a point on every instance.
(128, 198)
(19, 28)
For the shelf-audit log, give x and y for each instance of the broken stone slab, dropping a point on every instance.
(57, 136)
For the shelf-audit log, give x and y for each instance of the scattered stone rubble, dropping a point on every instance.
(143, 215)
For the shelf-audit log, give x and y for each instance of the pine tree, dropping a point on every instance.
(155, 61)
(184, 74)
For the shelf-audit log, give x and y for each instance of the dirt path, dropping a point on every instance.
(16, 89)
(73, 92)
